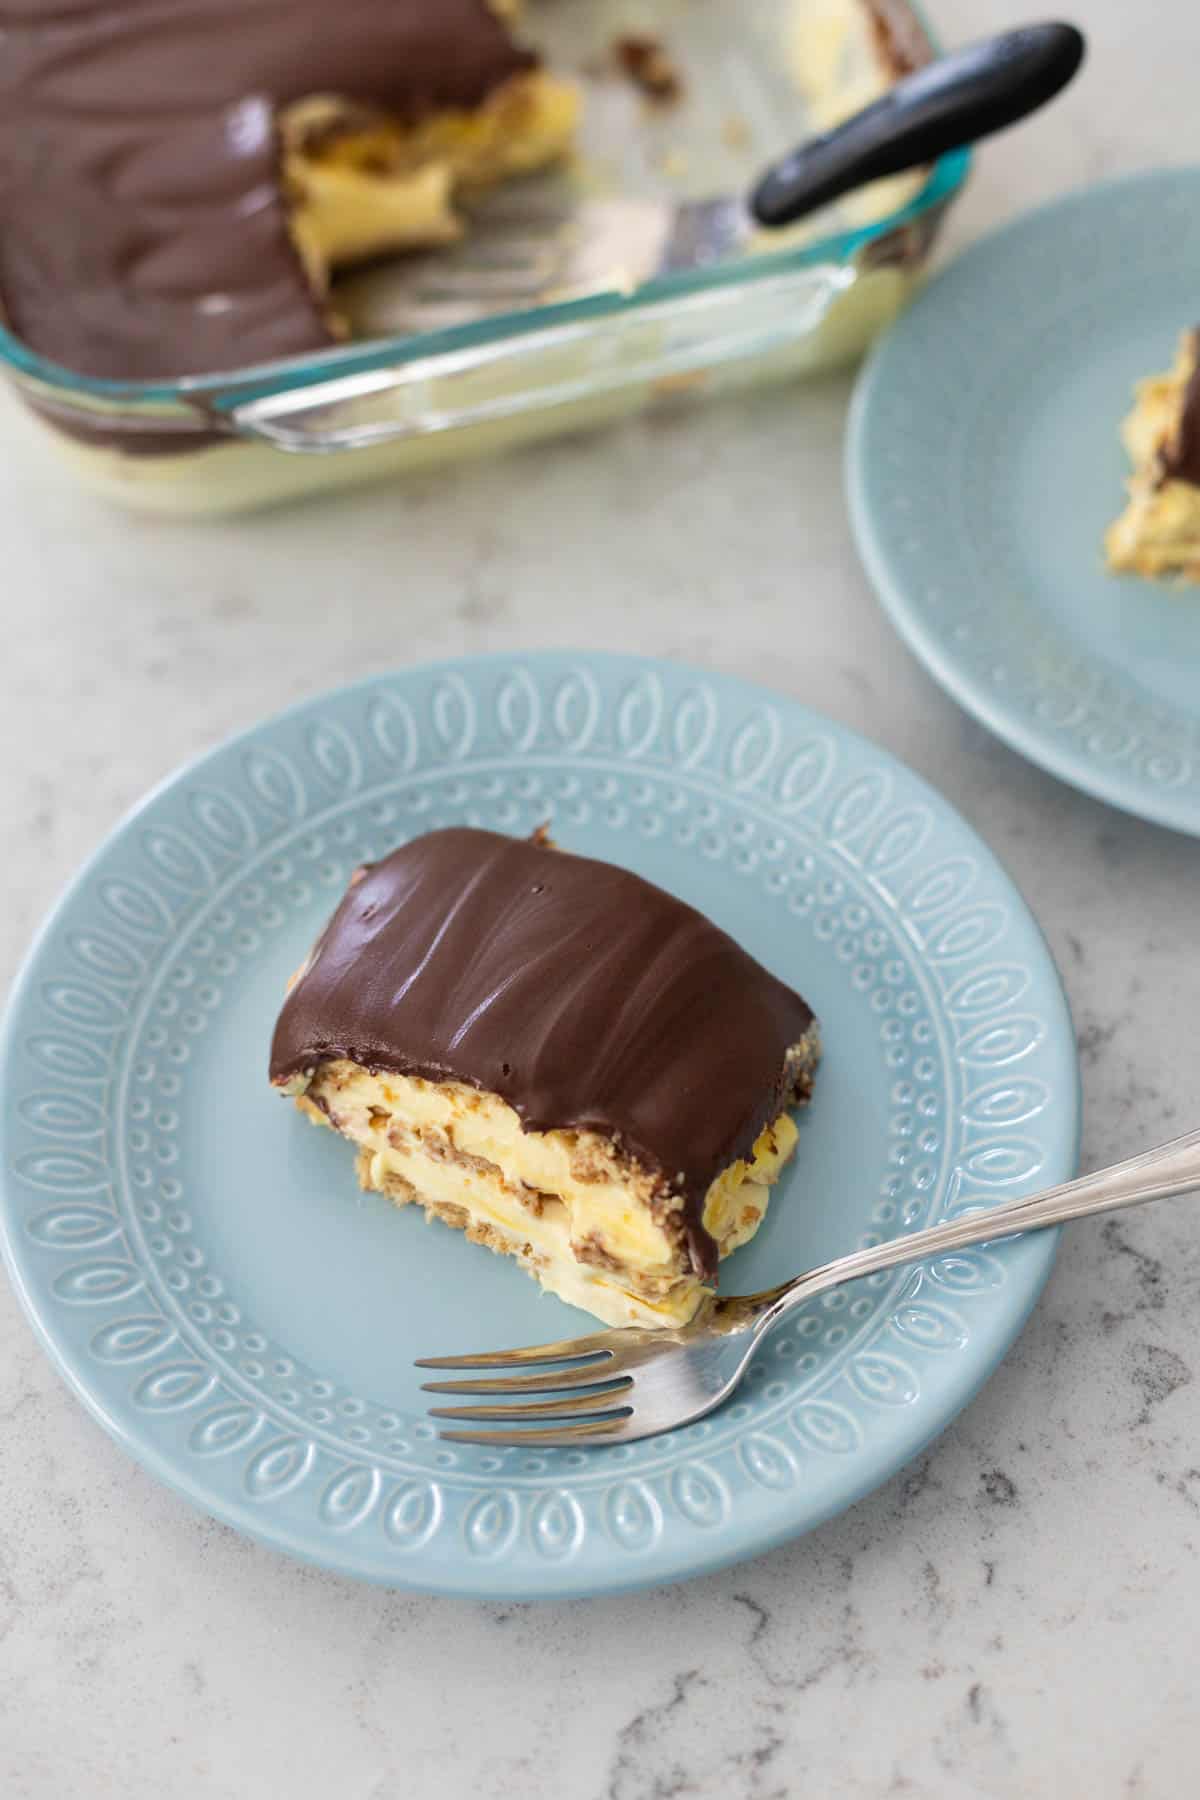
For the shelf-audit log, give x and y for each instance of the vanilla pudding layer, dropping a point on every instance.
(1158, 534)
(597, 1231)
(362, 184)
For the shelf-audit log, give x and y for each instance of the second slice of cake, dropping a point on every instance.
(557, 1057)
(1158, 534)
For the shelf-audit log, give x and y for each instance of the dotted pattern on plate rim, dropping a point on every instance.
(837, 852)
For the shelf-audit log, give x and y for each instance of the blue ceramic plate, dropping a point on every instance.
(984, 464)
(205, 1274)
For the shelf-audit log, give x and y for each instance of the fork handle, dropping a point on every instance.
(1173, 1168)
(953, 101)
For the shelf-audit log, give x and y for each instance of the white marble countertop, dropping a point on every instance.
(1009, 1617)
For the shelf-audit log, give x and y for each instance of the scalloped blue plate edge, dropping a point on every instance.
(1117, 790)
(282, 1541)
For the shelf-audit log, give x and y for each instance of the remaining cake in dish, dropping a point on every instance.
(555, 1056)
(1158, 534)
(178, 178)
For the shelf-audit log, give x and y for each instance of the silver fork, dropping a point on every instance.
(623, 1385)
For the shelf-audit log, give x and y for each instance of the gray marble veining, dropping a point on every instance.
(1014, 1615)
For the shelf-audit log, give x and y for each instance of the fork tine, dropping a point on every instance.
(565, 1350)
(612, 1399)
(594, 1430)
(584, 1376)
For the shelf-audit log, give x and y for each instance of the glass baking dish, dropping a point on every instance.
(812, 299)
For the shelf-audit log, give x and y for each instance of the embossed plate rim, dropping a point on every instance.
(702, 1514)
(1108, 205)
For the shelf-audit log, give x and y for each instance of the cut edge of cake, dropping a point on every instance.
(1158, 533)
(593, 1227)
(363, 184)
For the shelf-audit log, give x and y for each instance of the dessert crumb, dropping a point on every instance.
(648, 65)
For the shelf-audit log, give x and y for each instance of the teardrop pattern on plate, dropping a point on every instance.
(633, 1516)
(805, 775)
(639, 715)
(929, 1327)
(858, 808)
(275, 783)
(694, 726)
(350, 1498)
(63, 1171)
(412, 1514)
(177, 859)
(767, 1462)
(73, 1227)
(1009, 1101)
(754, 748)
(390, 722)
(83, 1008)
(995, 1042)
(973, 1271)
(225, 1429)
(700, 1495)
(132, 1340)
(1167, 768)
(175, 1387)
(519, 711)
(556, 1525)
(947, 884)
(576, 711)
(99, 954)
(339, 764)
(987, 990)
(70, 1059)
(223, 820)
(998, 1164)
(491, 1523)
(98, 1283)
(278, 1468)
(453, 712)
(137, 906)
(824, 1426)
(62, 1115)
(884, 1380)
(968, 933)
(898, 840)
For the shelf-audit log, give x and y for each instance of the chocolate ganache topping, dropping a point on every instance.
(902, 39)
(143, 223)
(1179, 459)
(584, 996)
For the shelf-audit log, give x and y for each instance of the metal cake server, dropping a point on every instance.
(524, 251)
(623, 1385)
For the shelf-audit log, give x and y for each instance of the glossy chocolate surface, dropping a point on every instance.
(584, 996)
(143, 225)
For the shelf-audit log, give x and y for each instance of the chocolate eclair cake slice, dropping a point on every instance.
(556, 1056)
(1158, 534)
(180, 178)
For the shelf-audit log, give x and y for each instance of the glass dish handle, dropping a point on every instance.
(563, 366)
